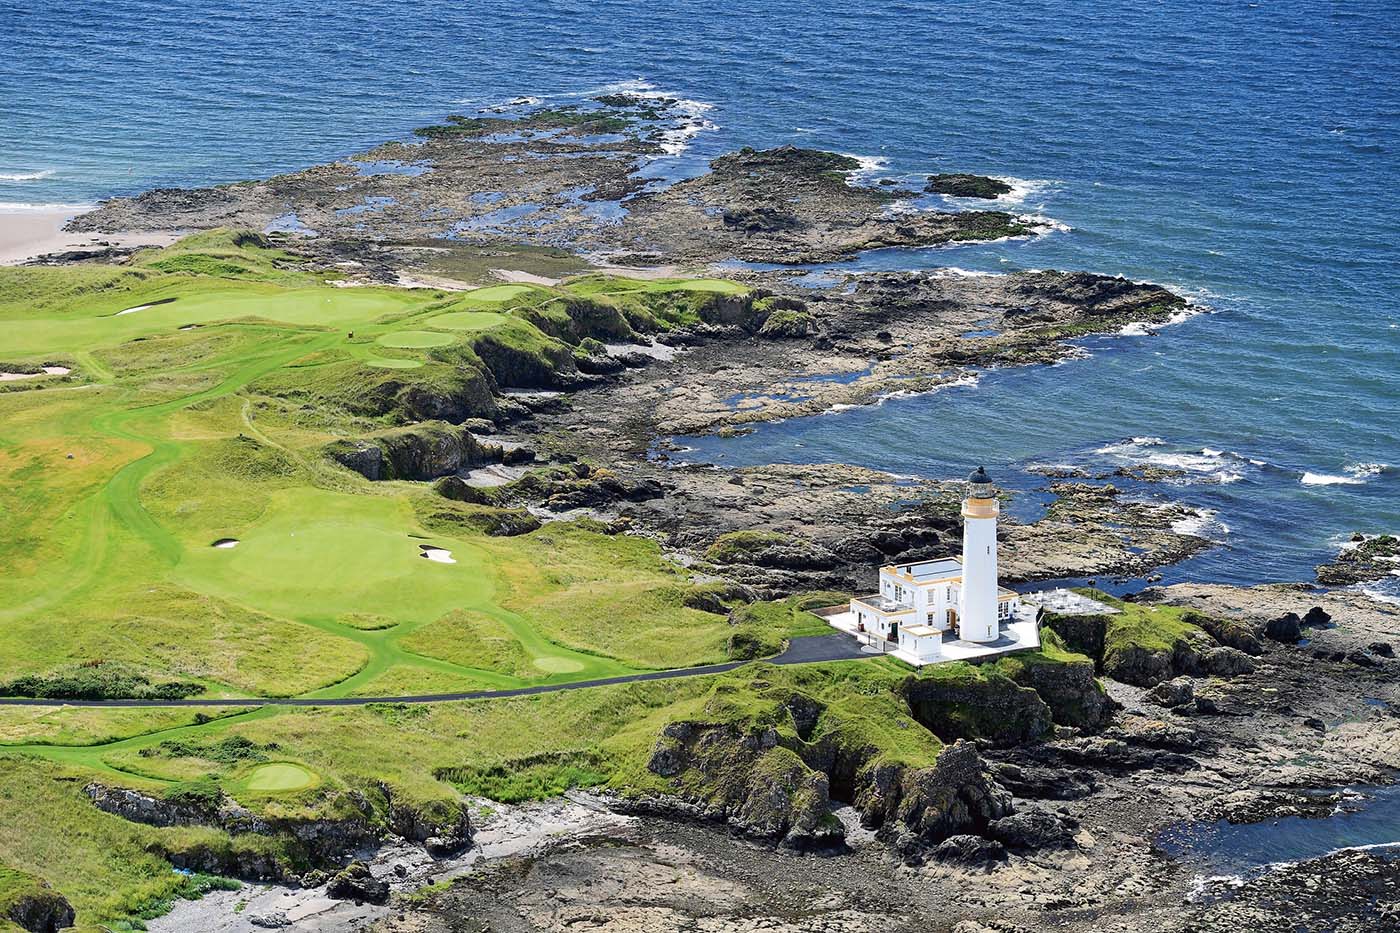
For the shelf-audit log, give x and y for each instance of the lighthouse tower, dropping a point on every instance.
(977, 602)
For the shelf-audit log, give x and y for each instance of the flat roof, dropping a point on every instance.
(930, 569)
(921, 631)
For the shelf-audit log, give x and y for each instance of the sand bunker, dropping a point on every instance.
(436, 554)
(225, 543)
(163, 301)
(45, 371)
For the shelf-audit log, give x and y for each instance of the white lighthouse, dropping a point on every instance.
(977, 603)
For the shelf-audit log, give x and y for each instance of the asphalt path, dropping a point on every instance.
(808, 649)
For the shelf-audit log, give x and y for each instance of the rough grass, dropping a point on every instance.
(113, 494)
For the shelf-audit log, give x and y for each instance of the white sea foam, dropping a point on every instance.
(27, 176)
(1205, 523)
(1206, 465)
(968, 381)
(1365, 470)
(1203, 886)
(1024, 188)
(24, 207)
(1136, 329)
(1328, 479)
(956, 272)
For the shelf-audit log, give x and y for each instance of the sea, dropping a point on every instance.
(1245, 154)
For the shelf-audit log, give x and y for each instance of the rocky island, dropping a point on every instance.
(375, 483)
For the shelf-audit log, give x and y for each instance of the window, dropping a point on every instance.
(930, 618)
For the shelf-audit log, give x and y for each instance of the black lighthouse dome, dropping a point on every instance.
(980, 477)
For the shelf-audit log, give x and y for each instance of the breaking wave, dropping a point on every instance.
(1356, 475)
(27, 176)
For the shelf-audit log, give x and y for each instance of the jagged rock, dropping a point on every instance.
(1032, 829)
(991, 707)
(1226, 632)
(356, 883)
(40, 909)
(956, 795)
(272, 920)
(1033, 782)
(1382, 648)
(1226, 662)
(459, 490)
(1287, 628)
(1317, 617)
(1155, 733)
(969, 850)
(443, 829)
(1178, 691)
(745, 777)
(419, 452)
(1070, 691)
(1362, 659)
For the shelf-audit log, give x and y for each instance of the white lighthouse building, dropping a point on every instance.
(977, 603)
(949, 608)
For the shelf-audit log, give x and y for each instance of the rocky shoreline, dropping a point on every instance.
(1052, 822)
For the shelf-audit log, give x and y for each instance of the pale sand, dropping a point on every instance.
(27, 234)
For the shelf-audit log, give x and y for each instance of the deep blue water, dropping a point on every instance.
(1243, 152)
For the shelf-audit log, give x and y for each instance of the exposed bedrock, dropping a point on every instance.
(1363, 559)
(418, 452)
(32, 905)
(443, 828)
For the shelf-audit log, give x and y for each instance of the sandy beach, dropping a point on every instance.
(27, 233)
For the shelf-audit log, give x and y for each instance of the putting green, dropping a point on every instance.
(495, 294)
(322, 554)
(408, 339)
(101, 327)
(467, 320)
(556, 665)
(279, 777)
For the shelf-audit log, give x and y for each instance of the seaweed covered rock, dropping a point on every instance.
(356, 883)
(769, 549)
(961, 185)
(788, 324)
(1363, 559)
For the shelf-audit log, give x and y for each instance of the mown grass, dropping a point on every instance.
(201, 416)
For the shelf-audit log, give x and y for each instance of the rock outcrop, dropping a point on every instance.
(419, 452)
(975, 704)
(32, 904)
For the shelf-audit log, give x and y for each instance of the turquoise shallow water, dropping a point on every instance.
(1244, 153)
